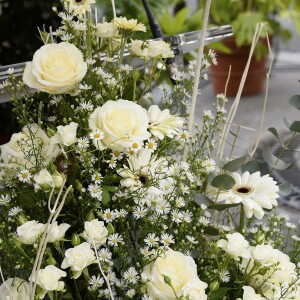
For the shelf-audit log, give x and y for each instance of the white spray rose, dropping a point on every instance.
(66, 135)
(29, 232)
(182, 271)
(78, 258)
(43, 179)
(14, 289)
(194, 289)
(57, 232)
(19, 150)
(55, 68)
(95, 229)
(106, 30)
(236, 245)
(249, 294)
(162, 123)
(122, 122)
(48, 279)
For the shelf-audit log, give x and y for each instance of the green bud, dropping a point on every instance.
(51, 260)
(50, 132)
(214, 286)
(110, 229)
(167, 279)
(135, 75)
(78, 185)
(260, 238)
(22, 219)
(75, 241)
(90, 216)
(52, 168)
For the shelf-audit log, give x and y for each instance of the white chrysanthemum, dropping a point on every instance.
(254, 191)
(131, 25)
(141, 168)
(80, 7)
(162, 123)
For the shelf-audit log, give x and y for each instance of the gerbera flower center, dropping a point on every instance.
(243, 190)
(143, 178)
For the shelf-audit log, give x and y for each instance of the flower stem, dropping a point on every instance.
(242, 219)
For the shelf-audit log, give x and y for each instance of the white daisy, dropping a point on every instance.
(209, 165)
(254, 191)
(191, 239)
(151, 144)
(177, 216)
(87, 106)
(122, 213)
(151, 240)
(163, 207)
(131, 275)
(204, 221)
(4, 199)
(96, 281)
(24, 175)
(139, 212)
(97, 135)
(97, 177)
(104, 255)
(146, 251)
(115, 239)
(112, 163)
(130, 293)
(14, 211)
(95, 191)
(187, 216)
(108, 215)
(117, 155)
(224, 275)
(167, 239)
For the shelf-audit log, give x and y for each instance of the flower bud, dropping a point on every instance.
(214, 286)
(22, 219)
(167, 279)
(75, 241)
(90, 216)
(110, 229)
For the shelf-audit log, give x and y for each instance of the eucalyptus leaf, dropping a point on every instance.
(221, 207)
(287, 123)
(218, 294)
(223, 181)
(274, 161)
(210, 230)
(275, 133)
(295, 126)
(202, 199)
(252, 167)
(285, 189)
(234, 164)
(295, 101)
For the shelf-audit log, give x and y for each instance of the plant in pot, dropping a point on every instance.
(243, 15)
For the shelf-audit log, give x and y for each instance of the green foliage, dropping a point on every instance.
(223, 181)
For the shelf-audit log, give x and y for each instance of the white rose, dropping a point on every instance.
(162, 123)
(29, 232)
(19, 150)
(178, 267)
(66, 135)
(43, 179)
(122, 122)
(58, 179)
(57, 232)
(48, 279)
(249, 294)
(264, 254)
(14, 289)
(95, 229)
(106, 30)
(78, 258)
(55, 68)
(194, 289)
(236, 245)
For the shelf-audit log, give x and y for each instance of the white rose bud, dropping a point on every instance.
(58, 179)
(55, 68)
(78, 258)
(95, 230)
(43, 180)
(14, 289)
(194, 289)
(66, 135)
(48, 279)
(57, 232)
(29, 232)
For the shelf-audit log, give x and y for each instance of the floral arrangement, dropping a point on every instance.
(106, 194)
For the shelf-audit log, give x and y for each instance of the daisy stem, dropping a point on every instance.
(242, 219)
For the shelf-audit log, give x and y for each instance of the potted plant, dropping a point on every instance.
(243, 15)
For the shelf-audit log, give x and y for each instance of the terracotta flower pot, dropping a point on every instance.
(237, 59)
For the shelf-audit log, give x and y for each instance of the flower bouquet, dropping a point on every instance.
(106, 194)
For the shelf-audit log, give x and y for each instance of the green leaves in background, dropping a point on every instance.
(273, 161)
(224, 181)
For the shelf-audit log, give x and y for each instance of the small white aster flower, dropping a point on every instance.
(96, 281)
(24, 175)
(224, 275)
(147, 297)
(295, 238)
(97, 135)
(104, 255)
(87, 106)
(167, 239)
(95, 191)
(146, 251)
(208, 114)
(108, 215)
(67, 37)
(115, 239)
(151, 144)
(290, 225)
(253, 230)
(130, 293)
(151, 240)
(126, 68)
(97, 177)
(179, 76)
(205, 221)
(14, 211)
(112, 163)
(90, 61)
(148, 97)
(179, 202)
(131, 275)
(122, 213)
(136, 146)
(163, 207)
(191, 239)
(187, 216)
(209, 165)
(117, 155)
(177, 216)
(4, 199)
(111, 276)
(84, 86)
(139, 212)
(213, 56)
(10, 71)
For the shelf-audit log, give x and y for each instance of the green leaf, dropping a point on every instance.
(234, 164)
(275, 133)
(285, 189)
(220, 207)
(295, 126)
(274, 161)
(225, 182)
(105, 194)
(202, 199)
(218, 294)
(295, 101)
(210, 230)
(252, 167)
(287, 123)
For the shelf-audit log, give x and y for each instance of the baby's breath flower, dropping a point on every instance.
(87, 106)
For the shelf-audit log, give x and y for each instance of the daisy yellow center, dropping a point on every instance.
(243, 190)
(150, 145)
(96, 135)
(24, 175)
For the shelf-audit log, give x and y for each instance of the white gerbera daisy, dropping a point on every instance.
(254, 191)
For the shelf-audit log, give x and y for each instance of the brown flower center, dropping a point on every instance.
(143, 179)
(243, 190)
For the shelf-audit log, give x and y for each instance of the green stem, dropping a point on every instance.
(234, 141)
(77, 290)
(242, 219)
